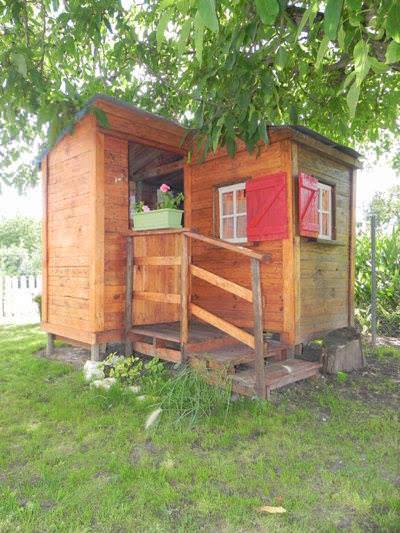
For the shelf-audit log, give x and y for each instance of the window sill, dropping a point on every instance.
(329, 242)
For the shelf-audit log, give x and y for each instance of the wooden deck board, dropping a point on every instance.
(277, 375)
(170, 331)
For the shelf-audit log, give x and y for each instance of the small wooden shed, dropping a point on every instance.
(264, 261)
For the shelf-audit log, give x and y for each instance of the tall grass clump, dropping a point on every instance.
(188, 397)
(388, 282)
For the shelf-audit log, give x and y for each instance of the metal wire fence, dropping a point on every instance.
(377, 288)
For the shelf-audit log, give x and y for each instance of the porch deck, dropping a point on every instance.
(219, 355)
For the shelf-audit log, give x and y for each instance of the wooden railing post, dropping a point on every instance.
(185, 294)
(128, 294)
(261, 388)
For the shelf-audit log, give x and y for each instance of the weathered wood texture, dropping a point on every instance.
(69, 177)
(325, 268)
(152, 278)
(116, 224)
(201, 213)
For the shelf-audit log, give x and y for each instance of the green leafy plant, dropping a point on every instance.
(167, 199)
(133, 370)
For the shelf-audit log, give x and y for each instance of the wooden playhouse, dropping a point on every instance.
(264, 261)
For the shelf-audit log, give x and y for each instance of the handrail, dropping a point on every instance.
(228, 246)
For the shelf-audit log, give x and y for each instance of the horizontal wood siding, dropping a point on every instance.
(202, 213)
(324, 268)
(68, 214)
(116, 198)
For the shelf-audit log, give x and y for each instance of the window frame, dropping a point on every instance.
(239, 186)
(330, 212)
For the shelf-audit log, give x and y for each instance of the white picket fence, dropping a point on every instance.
(16, 299)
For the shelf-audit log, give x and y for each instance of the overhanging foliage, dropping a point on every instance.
(225, 67)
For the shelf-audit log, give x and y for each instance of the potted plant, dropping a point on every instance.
(167, 214)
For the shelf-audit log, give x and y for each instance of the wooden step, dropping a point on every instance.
(277, 375)
(227, 356)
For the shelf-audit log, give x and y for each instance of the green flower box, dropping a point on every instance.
(157, 219)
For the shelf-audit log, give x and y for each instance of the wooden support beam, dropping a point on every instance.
(50, 344)
(161, 170)
(260, 385)
(222, 283)
(128, 294)
(95, 352)
(185, 295)
(223, 325)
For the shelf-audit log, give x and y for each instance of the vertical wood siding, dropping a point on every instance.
(324, 268)
(116, 202)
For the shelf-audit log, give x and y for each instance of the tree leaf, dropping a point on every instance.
(323, 47)
(293, 114)
(101, 117)
(392, 53)
(198, 37)
(206, 9)
(332, 14)
(341, 37)
(183, 37)
(267, 10)
(352, 98)
(393, 21)
(162, 26)
(20, 62)
(361, 60)
(281, 58)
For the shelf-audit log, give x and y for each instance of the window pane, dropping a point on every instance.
(227, 203)
(227, 228)
(325, 224)
(241, 227)
(240, 201)
(325, 199)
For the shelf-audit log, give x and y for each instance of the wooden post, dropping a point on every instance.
(185, 262)
(261, 388)
(50, 344)
(128, 294)
(95, 352)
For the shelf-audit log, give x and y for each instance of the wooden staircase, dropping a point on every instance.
(221, 359)
(251, 364)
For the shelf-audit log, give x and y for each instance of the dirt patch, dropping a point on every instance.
(68, 354)
(377, 384)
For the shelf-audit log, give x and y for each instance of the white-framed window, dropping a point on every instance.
(325, 213)
(232, 213)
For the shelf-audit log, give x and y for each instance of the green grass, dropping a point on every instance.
(76, 459)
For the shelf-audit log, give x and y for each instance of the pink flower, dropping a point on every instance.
(165, 188)
(146, 209)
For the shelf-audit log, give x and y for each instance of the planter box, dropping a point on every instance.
(158, 219)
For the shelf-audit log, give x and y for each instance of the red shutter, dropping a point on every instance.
(267, 217)
(308, 205)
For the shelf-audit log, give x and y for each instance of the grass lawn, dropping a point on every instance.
(76, 459)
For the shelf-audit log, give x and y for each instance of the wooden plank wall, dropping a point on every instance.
(158, 279)
(68, 213)
(324, 268)
(201, 214)
(116, 195)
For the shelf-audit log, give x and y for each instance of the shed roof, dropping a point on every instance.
(147, 115)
